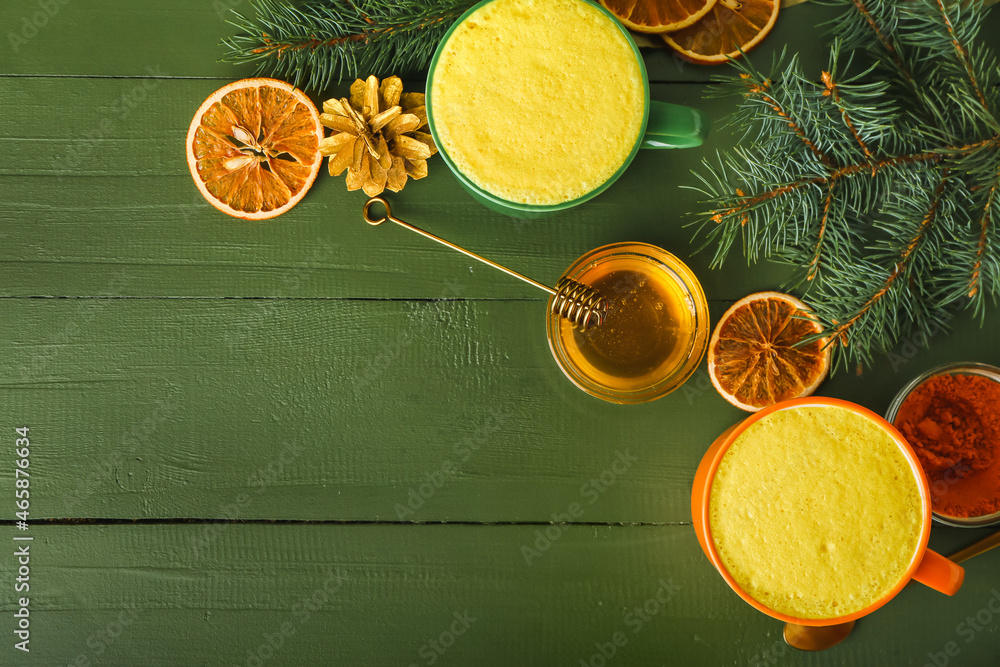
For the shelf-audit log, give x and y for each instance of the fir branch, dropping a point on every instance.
(316, 43)
(865, 19)
(831, 89)
(895, 284)
(814, 264)
(748, 203)
(761, 89)
(942, 32)
(960, 51)
(863, 10)
(882, 192)
(985, 224)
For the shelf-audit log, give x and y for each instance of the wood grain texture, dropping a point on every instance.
(102, 204)
(354, 409)
(215, 594)
(183, 40)
(313, 370)
(121, 38)
(118, 38)
(175, 406)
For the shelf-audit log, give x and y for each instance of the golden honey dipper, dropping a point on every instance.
(578, 303)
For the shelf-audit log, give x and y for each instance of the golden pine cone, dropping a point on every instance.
(376, 136)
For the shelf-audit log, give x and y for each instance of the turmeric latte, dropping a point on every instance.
(537, 101)
(816, 512)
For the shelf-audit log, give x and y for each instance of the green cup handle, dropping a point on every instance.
(674, 126)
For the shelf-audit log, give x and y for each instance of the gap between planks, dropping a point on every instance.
(349, 522)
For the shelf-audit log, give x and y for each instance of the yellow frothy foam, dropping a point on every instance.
(816, 512)
(538, 101)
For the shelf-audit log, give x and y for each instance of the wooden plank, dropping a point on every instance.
(218, 594)
(101, 203)
(174, 406)
(320, 408)
(117, 38)
(123, 38)
(354, 410)
(61, 40)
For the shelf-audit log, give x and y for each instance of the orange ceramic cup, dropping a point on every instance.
(928, 567)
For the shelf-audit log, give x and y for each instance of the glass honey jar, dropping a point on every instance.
(654, 334)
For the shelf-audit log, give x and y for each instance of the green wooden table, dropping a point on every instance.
(311, 442)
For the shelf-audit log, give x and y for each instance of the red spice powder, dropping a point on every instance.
(952, 422)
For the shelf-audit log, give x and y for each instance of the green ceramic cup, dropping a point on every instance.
(664, 125)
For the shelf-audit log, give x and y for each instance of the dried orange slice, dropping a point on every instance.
(729, 26)
(253, 148)
(658, 15)
(756, 356)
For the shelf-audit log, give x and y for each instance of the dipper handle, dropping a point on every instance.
(576, 302)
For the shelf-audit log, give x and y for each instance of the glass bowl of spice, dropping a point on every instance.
(950, 416)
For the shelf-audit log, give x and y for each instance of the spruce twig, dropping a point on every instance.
(882, 187)
(985, 262)
(316, 43)
(885, 24)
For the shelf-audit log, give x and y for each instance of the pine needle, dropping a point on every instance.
(317, 43)
(881, 187)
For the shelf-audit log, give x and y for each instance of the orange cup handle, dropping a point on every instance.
(939, 573)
